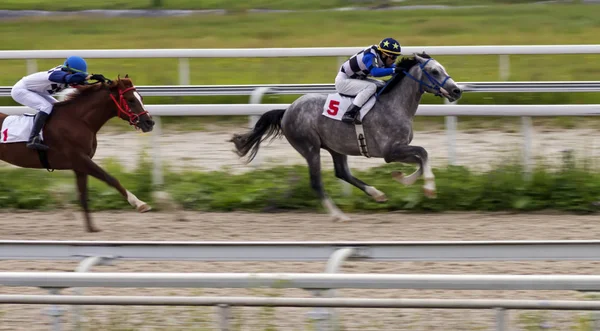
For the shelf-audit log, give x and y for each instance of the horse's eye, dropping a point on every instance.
(435, 72)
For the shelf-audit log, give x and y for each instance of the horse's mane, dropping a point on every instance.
(405, 64)
(82, 91)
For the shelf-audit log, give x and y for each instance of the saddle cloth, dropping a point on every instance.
(336, 105)
(16, 128)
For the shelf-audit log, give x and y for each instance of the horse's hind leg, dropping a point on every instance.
(416, 155)
(82, 181)
(340, 162)
(88, 166)
(309, 149)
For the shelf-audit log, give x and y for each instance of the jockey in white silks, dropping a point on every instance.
(352, 79)
(35, 91)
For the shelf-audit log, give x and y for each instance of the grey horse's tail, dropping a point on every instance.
(269, 125)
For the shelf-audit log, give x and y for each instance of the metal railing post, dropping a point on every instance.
(224, 312)
(31, 66)
(501, 319)
(504, 66)
(157, 167)
(326, 319)
(451, 128)
(184, 71)
(526, 128)
(84, 266)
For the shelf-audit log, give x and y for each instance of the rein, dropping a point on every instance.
(435, 84)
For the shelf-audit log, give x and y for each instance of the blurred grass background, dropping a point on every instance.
(234, 4)
(494, 22)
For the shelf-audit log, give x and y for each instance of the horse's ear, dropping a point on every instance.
(419, 58)
(126, 75)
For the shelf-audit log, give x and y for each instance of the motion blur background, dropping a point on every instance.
(204, 175)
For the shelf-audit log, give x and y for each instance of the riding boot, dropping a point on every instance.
(352, 115)
(35, 142)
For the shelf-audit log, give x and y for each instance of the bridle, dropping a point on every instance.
(435, 84)
(123, 107)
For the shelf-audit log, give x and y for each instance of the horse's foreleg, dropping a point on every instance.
(342, 171)
(415, 155)
(82, 182)
(91, 168)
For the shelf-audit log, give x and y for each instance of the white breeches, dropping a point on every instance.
(363, 89)
(32, 100)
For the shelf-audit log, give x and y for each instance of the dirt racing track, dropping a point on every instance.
(67, 225)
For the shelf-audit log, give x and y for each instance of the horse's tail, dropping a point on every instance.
(269, 125)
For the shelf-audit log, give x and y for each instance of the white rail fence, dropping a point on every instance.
(183, 55)
(291, 89)
(308, 281)
(91, 253)
(59, 280)
(519, 250)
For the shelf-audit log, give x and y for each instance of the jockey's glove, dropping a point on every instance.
(97, 77)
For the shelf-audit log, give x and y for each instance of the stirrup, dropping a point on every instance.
(36, 144)
(347, 118)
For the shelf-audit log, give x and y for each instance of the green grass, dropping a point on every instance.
(571, 188)
(496, 25)
(226, 4)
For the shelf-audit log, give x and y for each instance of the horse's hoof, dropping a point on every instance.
(376, 194)
(431, 194)
(399, 177)
(92, 229)
(381, 198)
(144, 208)
(340, 218)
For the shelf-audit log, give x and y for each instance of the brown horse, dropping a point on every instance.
(71, 130)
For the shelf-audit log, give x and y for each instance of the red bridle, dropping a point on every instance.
(123, 107)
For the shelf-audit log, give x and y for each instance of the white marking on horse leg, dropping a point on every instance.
(376, 194)
(139, 205)
(333, 211)
(429, 187)
(406, 180)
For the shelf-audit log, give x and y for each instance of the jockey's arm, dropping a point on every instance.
(374, 71)
(63, 77)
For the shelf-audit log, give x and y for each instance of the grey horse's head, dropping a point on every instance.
(436, 80)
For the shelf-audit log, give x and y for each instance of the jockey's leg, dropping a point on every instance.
(35, 142)
(362, 89)
(367, 90)
(43, 105)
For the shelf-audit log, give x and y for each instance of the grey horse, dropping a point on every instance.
(387, 127)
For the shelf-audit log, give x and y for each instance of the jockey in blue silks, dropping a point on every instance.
(352, 79)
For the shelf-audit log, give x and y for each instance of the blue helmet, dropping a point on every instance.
(75, 63)
(389, 46)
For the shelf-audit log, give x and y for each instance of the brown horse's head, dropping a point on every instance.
(129, 104)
